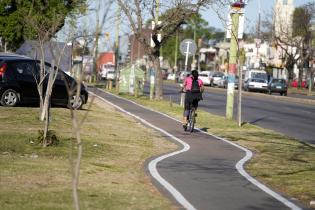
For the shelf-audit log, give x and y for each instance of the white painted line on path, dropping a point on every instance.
(240, 164)
(152, 165)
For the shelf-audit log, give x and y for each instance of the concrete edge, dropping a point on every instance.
(152, 165)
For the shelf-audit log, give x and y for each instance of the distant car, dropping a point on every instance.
(18, 76)
(278, 86)
(223, 83)
(256, 84)
(183, 75)
(171, 76)
(206, 77)
(216, 78)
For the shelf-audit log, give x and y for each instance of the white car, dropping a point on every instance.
(171, 76)
(259, 85)
(206, 77)
(217, 77)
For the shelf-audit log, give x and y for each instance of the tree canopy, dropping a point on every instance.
(19, 19)
(196, 24)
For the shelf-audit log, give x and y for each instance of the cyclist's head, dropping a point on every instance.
(194, 73)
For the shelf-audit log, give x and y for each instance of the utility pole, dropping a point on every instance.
(153, 76)
(259, 21)
(117, 40)
(235, 15)
(176, 51)
(195, 37)
(98, 29)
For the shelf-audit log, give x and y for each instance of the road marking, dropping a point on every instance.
(239, 165)
(152, 165)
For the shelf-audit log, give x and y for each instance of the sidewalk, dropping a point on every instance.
(204, 172)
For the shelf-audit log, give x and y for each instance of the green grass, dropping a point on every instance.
(112, 175)
(279, 161)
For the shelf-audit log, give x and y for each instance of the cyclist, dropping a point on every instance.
(193, 87)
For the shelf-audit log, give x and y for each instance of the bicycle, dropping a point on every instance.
(191, 120)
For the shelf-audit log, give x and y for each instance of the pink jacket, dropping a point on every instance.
(188, 83)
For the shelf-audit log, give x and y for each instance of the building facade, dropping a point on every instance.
(283, 18)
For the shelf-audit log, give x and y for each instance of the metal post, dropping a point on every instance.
(232, 66)
(240, 81)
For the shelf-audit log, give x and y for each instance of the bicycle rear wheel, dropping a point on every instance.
(191, 121)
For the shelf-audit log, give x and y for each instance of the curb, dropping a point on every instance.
(244, 93)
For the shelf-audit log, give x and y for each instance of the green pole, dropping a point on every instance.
(232, 65)
(195, 39)
(176, 51)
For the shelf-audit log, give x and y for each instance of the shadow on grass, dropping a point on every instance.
(266, 138)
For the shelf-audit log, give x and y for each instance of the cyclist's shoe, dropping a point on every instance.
(185, 127)
(195, 114)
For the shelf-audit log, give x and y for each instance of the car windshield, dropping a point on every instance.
(218, 75)
(258, 80)
(259, 75)
(281, 81)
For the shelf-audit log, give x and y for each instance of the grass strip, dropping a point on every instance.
(280, 162)
(112, 176)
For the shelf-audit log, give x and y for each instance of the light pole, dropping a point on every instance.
(236, 10)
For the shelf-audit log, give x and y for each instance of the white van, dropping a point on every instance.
(254, 73)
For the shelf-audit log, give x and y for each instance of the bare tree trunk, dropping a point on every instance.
(76, 169)
(158, 79)
(311, 82)
(46, 127)
(300, 76)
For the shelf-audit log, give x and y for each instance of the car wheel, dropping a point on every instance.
(76, 103)
(9, 98)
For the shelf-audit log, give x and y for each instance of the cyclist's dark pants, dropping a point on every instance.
(191, 100)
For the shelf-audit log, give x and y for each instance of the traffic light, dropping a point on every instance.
(238, 4)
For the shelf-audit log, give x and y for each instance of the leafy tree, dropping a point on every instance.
(177, 11)
(15, 26)
(194, 24)
(296, 46)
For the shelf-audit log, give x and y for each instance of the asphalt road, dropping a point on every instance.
(290, 118)
(205, 174)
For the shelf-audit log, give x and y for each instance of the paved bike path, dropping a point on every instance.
(205, 175)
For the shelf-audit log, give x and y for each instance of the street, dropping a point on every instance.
(290, 118)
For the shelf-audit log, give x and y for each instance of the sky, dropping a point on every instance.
(251, 13)
(251, 16)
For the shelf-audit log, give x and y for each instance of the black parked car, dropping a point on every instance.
(18, 83)
(278, 86)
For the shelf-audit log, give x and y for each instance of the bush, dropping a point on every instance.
(51, 139)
